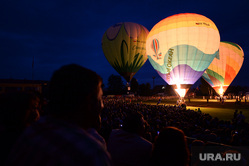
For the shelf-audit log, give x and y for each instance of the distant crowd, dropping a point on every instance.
(194, 123)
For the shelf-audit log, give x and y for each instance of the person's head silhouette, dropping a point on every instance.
(75, 95)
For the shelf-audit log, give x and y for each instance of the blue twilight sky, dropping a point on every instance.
(59, 32)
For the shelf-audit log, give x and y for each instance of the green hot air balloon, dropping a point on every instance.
(124, 46)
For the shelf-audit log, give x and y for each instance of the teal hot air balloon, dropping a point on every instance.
(181, 47)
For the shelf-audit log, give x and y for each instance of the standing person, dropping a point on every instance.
(236, 102)
(127, 146)
(222, 100)
(235, 114)
(61, 137)
(170, 148)
(159, 101)
(240, 118)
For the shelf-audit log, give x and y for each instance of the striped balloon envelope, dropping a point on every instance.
(224, 67)
(188, 44)
(124, 46)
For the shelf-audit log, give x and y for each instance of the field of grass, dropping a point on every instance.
(213, 107)
(221, 113)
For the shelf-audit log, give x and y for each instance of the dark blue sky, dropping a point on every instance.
(59, 32)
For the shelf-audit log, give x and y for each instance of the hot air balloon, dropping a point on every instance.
(124, 46)
(224, 67)
(181, 47)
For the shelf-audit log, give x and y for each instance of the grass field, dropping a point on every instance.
(213, 107)
(221, 113)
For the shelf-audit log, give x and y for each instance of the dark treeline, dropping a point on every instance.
(116, 86)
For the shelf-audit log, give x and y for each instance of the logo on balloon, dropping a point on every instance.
(202, 23)
(169, 64)
(155, 48)
(135, 47)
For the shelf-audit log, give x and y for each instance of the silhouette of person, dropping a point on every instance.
(235, 114)
(170, 148)
(159, 101)
(61, 137)
(240, 118)
(17, 111)
(127, 146)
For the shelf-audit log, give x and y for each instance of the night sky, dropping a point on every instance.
(59, 32)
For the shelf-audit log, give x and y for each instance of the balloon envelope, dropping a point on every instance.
(224, 67)
(186, 45)
(124, 47)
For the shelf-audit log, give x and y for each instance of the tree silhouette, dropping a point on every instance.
(145, 89)
(115, 85)
(134, 85)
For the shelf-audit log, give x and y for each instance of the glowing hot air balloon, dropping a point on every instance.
(188, 44)
(224, 67)
(124, 46)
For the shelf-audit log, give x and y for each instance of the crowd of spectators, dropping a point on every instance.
(80, 127)
(194, 123)
(199, 128)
